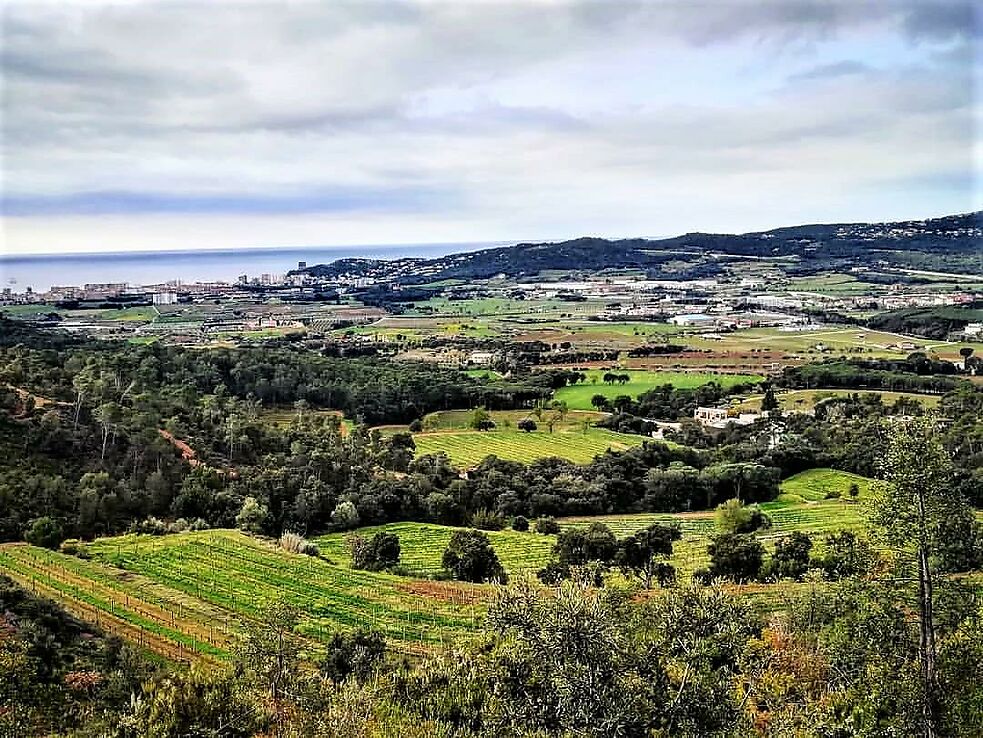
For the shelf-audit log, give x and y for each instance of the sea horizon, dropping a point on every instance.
(40, 272)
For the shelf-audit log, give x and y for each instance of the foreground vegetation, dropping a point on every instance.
(325, 580)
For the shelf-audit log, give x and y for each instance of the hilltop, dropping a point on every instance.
(950, 243)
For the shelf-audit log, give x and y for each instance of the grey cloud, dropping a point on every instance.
(943, 20)
(171, 98)
(831, 71)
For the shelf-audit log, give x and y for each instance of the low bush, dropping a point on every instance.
(296, 543)
(487, 520)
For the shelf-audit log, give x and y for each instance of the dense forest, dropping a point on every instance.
(101, 437)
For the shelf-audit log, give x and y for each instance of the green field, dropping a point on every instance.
(815, 485)
(578, 396)
(506, 419)
(423, 545)
(467, 448)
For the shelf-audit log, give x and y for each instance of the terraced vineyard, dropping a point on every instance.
(468, 448)
(235, 572)
(813, 485)
(164, 620)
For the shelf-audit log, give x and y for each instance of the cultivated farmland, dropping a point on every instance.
(806, 400)
(242, 575)
(468, 448)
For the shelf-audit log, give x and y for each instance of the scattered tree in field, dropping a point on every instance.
(623, 403)
(345, 516)
(253, 516)
(355, 654)
(736, 556)
(45, 532)
(600, 402)
(791, 557)
(527, 425)
(645, 553)
(470, 557)
(575, 546)
(379, 552)
(416, 426)
(854, 490)
(734, 517)
(769, 402)
(520, 523)
(296, 543)
(547, 526)
(481, 420)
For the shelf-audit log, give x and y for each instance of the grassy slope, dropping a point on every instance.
(422, 546)
(578, 396)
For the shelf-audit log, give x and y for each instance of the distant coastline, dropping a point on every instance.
(42, 271)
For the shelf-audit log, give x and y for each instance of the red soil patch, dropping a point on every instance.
(458, 594)
(187, 453)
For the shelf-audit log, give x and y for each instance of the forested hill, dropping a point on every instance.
(952, 243)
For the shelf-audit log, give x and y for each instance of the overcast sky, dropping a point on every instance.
(215, 124)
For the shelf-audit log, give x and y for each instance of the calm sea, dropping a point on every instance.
(41, 272)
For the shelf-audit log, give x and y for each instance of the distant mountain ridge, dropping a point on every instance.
(950, 243)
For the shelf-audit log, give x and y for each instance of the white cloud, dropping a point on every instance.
(198, 124)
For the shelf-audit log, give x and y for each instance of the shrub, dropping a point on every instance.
(734, 517)
(737, 556)
(547, 526)
(252, 516)
(553, 573)
(520, 523)
(844, 555)
(470, 557)
(379, 552)
(45, 532)
(73, 547)
(487, 520)
(353, 654)
(296, 543)
(151, 526)
(791, 558)
(526, 424)
(345, 515)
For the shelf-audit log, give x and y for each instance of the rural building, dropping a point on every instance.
(710, 415)
(482, 358)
